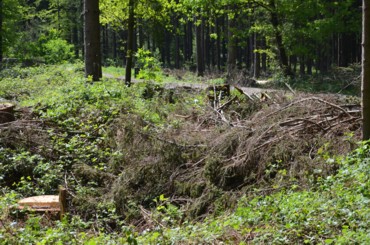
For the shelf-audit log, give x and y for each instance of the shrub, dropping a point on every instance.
(149, 66)
(57, 51)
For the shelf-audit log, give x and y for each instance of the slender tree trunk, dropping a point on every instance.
(177, 43)
(257, 59)
(301, 66)
(81, 29)
(366, 70)
(224, 43)
(130, 42)
(114, 46)
(200, 56)
(264, 55)
(148, 43)
(141, 35)
(105, 42)
(283, 58)
(75, 40)
(92, 40)
(309, 66)
(1, 34)
(249, 53)
(218, 44)
(190, 40)
(232, 48)
(167, 48)
(207, 46)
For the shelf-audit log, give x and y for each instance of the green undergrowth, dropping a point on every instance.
(341, 80)
(141, 164)
(334, 211)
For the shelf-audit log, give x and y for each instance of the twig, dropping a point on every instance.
(226, 104)
(242, 92)
(268, 142)
(290, 88)
(307, 99)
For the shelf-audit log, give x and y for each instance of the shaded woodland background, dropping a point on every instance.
(256, 37)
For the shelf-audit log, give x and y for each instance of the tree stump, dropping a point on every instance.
(6, 112)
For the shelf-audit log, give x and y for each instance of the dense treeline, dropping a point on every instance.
(256, 36)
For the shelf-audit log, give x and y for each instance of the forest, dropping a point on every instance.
(184, 122)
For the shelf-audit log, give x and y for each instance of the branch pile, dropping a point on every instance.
(286, 135)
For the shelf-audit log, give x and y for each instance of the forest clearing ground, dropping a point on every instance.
(193, 85)
(124, 153)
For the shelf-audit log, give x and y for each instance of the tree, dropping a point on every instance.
(283, 58)
(130, 41)
(92, 40)
(232, 42)
(1, 33)
(199, 35)
(366, 69)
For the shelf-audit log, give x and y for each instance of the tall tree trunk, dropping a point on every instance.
(366, 70)
(232, 47)
(218, 43)
(114, 46)
(92, 40)
(309, 66)
(207, 46)
(177, 43)
(75, 40)
(200, 52)
(81, 29)
(190, 40)
(167, 48)
(105, 39)
(264, 55)
(141, 35)
(257, 59)
(249, 54)
(1, 34)
(302, 67)
(130, 42)
(283, 58)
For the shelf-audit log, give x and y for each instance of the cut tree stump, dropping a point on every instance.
(46, 203)
(6, 112)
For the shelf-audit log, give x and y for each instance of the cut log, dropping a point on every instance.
(41, 203)
(46, 203)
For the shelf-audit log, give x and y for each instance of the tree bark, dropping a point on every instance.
(130, 42)
(366, 70)
(92, 40)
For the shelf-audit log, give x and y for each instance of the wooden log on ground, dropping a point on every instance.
(46, 203)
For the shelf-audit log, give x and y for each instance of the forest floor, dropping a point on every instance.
(162, 163)
(198, 86)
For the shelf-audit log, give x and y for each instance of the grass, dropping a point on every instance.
(115, 71)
